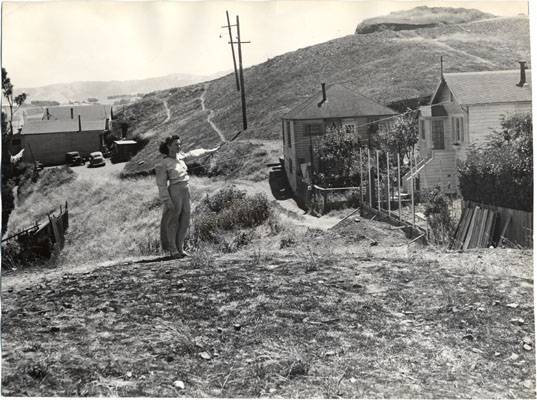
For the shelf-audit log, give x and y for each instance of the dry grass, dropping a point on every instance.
(301, 323)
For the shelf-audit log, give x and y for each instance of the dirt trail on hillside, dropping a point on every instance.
(168, 115)
(211, 114)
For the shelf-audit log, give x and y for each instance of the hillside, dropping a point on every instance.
(420, 17)
(79, 91)
(279, 310)
(386, 66)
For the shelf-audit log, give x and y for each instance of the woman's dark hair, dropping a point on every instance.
(163, 148)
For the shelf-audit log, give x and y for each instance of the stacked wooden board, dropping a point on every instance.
(476, 228)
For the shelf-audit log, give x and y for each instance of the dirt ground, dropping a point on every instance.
(353, 311)
(322, 318)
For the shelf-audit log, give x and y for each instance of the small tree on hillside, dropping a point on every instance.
(402, 136)
(7, 132)
(14, 103)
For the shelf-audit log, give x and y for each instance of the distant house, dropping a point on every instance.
(465, 108)
(47, 141)
(336, 108)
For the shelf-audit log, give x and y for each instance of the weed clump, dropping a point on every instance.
(229, 210)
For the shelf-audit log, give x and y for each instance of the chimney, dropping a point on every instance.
(324, 95)
(72, 113)
(48, 115)
(79, 124)
(522, 74)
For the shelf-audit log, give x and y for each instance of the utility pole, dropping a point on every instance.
(240, 80)
(232, 51)
(241, 77)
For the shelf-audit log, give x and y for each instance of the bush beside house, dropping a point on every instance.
(500, 173)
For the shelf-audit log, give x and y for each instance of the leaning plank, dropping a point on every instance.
(482, 227)
(504, 230)
(475, 228)
(464, 228)
(495, 219)
(488, 226)
(469, 231)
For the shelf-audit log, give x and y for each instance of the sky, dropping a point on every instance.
(45, 42)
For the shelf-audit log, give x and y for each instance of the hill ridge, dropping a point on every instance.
(385, 66)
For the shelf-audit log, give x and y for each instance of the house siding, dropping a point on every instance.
(441, 171)
(302, 145)
(50, 148)
(484, 118)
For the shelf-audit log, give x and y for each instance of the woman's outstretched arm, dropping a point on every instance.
(197, 153)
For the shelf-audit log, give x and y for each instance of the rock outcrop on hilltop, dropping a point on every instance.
(420, 17)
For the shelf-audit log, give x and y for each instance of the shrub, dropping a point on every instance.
(438, 217)
(227, 210)
(500, 173)
(223, 198)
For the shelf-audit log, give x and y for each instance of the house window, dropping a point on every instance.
(422, 129)
(437, 133)
(349, 128)
(312, 129)
(458, 129)
(288, 135)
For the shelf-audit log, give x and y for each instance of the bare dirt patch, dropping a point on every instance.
(289, 323)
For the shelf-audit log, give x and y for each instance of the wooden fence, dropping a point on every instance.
(513, 227)
(40, 239)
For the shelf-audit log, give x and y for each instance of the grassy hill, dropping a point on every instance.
(420, 17)
(387, 66)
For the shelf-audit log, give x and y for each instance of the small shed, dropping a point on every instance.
(336, 108)
(123, 150)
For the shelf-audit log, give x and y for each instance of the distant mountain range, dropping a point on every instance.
(101, 90)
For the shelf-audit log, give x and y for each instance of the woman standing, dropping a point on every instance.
(175, 197)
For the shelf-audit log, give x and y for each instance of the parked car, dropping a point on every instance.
(96, 159)
(73, 158)
(39, 166)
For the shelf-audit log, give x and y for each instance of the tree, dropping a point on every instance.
(7, 133)
(7, 92)
(338, 156)
(500, 172)
(402, 136)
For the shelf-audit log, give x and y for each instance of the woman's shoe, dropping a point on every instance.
(184, 254)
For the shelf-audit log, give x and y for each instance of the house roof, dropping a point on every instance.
(88, 112)
(488, 87)
(60, 126)
(340, 102)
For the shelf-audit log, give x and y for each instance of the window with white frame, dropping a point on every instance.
(288, 129)
(437, 134)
